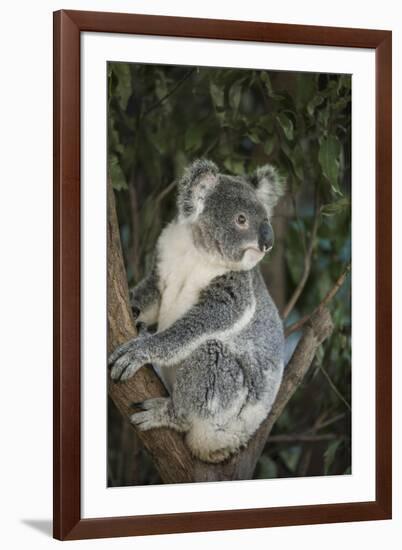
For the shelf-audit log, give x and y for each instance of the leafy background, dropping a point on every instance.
(160, 118)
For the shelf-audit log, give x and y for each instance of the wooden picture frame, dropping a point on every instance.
(68, 26)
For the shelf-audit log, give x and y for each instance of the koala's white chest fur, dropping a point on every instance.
(183, 273)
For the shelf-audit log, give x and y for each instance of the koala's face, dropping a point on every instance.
(230, 215)
(233, 225)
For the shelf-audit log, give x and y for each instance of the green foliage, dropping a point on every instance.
(328, 157)
(162, 117)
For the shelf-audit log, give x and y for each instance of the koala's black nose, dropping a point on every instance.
(265, 236)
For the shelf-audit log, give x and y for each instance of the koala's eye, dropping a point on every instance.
(241, 220)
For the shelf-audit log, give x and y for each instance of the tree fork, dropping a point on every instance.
(167, 448)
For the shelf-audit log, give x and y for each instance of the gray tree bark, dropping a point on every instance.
(167, 448)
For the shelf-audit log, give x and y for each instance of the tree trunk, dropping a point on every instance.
(167, 448)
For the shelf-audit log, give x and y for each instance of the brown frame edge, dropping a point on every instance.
(68, 25)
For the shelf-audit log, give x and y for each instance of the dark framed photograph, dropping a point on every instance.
(222, 274)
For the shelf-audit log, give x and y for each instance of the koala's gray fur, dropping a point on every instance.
(219, 341)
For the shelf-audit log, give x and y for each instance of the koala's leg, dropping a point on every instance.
(158, 413)
(211, 390)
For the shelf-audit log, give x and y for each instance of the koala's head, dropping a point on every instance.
(230, 215)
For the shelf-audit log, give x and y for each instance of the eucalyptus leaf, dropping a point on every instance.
(217, 95)
(315, 102)
(328, 157)
(336, 207)
(116, 174)
(269, 146)
(235, 96)
(254, 135)
(305, 89)
(286, 124)
(123, 86)
(265, 78)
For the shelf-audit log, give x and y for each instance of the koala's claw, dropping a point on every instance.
(143, 420)
(118, 369)
(124, 368)
(138, 405)
(152, 403)
(128, 358)
(153, 415)
(128, 361)
(142, 330)
(119, 351)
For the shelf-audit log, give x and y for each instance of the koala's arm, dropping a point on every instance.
(224, 308)
(145, 298)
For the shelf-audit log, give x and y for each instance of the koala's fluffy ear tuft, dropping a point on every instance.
(270, 186)
(198, 180)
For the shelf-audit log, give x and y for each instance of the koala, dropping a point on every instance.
(219, 344)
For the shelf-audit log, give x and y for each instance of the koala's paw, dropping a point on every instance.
(125, 363)
(135, 309)
(153, 415)
(119, 352)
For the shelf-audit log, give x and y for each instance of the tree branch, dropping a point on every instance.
(167, 449)
(307, 267)
(169, 453)
(169, 93)
(334, 388)
(328, 297)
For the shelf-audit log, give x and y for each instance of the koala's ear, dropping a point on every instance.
(198, 180)
(269, 185)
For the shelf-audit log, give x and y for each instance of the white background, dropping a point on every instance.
(26, 273)
(99, 501)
